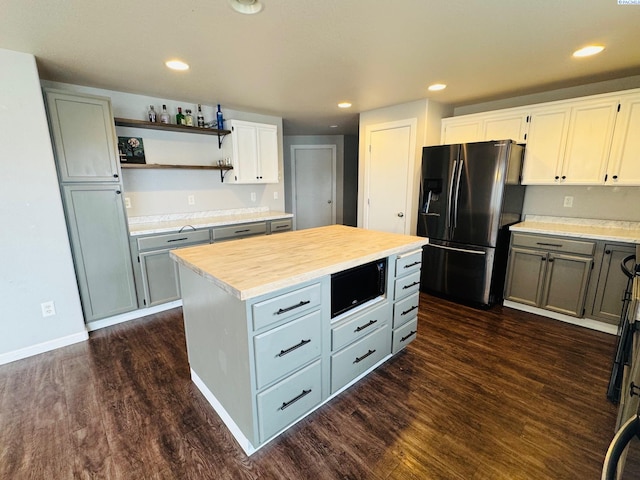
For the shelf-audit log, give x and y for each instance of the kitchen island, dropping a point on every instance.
(262, 346)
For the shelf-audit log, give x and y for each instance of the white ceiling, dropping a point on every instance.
(297, 58)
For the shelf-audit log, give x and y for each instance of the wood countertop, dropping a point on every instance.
(254, 266)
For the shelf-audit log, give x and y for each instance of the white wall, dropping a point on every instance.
(429, 114)
(163, 191)
(34, 247)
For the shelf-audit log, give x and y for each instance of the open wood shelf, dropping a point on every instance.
(126, 122)
(222, 168)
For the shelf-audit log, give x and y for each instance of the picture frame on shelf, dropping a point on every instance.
(131, 150)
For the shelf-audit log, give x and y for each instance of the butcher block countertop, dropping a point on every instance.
(254, 266)
(609, 230)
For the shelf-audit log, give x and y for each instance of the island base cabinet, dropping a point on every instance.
(356, 359)
(404, 335)
(285, 402)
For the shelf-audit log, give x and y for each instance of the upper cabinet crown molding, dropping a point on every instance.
(582, 141)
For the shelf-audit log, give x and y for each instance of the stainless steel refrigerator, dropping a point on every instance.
(470, 193)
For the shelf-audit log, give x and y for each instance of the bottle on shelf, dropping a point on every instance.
(188, 118)
(164, 116)
(219, 119)
(200, 116)
(152, 114)
(180, 117)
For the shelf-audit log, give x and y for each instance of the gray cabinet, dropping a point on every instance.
(240, 230)
(83, 136)
(406, 299)
(609, 283)
(98, 232)
(85, 151)
(549, 272)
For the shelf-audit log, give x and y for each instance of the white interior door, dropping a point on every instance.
(313, 169)
(389, 189)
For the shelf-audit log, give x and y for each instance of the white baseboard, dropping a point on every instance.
(581, 322)
(125, 317)
(43, 347)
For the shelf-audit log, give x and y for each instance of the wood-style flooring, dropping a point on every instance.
(496, 394)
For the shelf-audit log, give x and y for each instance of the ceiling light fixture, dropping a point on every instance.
(176, 65)
(588, 51)
(333, 126)
(436, 86)
(344, 105)
(248, 7)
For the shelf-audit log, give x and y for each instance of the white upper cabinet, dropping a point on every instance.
(546, 141)
(460, 130)
(624, 161)
(253, 149)
(510, 126)
(588, 142)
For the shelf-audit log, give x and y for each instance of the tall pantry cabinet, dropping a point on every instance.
(85, 148)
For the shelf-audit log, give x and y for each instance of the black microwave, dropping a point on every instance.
(357, 285)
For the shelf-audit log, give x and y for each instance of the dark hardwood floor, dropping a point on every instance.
(496, 394)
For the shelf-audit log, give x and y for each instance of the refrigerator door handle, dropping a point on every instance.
(463, 250)
(449, 225)
(457, 195)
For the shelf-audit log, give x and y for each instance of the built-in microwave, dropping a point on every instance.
(357, 285)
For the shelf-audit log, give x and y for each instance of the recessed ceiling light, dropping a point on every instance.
(333, 126)
(248, 7)
(588, 51)
(176, 65)
(437, 86)
(344, 104)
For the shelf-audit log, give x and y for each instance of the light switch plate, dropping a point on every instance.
(568, 201)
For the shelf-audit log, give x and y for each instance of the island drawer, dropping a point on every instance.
(404, 335)
(173, 240)
(239, 231)
(283, 403)
(556, 244)
(356, 359)
(286, 348)
(277, 226)
(360, 325)
(287, 305)
(408, 262)
(405, 309)
(406, 285)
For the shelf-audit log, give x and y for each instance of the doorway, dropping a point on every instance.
(313, 170)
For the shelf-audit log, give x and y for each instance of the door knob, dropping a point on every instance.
(401, 214)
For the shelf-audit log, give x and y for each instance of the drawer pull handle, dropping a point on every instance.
(362, 327)
(411, 285)
(410, 310)
(559, 245)
(412, 264)
(291, 349)
(411, 334)
(359, 359)
(294, 400)
(243, 231)
(282, 226)
(292, 307)
(177, 239)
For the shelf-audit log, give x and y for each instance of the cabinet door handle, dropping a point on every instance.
(366, 325)
(412, 333)
(608, 252)
(412, 264)
(550, 260)
(559, 245)
(294, 400)
(118, 192)
(411, 285)
(295, 347)
(359, 359)
(410, 310)
(115, 175)
(177, 239)
(297, 305)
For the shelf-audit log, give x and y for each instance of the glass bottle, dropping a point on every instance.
(180, 117)
(152, 114)
(164, 116)
(219, 119)
(200, 116)
(188, 118)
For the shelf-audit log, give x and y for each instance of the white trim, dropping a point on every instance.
(581, 322)
(293, 178)
(43, 347)
(125, 317)
(409, 192)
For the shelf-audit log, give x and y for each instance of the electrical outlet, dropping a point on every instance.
(253, 196)
(48, 308)
(127, 202)
(568, 201)
(275, 195)
(191, 199)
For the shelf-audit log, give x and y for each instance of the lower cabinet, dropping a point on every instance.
(549, 272)
(406, 299)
